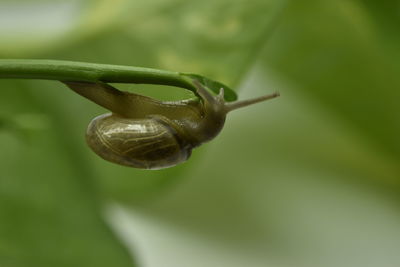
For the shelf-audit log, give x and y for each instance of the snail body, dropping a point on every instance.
(145, 133)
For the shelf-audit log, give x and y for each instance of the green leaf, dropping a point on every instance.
(344, 62)
(214, 86)
(49, 207)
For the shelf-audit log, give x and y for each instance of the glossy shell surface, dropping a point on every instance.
(145, 143)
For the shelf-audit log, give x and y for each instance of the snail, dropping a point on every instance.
(146, 133)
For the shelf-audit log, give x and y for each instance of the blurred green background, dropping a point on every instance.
(309, 179)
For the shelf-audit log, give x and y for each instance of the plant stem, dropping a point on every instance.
(87, 72)
(69, 71)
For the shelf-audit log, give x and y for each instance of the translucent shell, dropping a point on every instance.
(148, 143)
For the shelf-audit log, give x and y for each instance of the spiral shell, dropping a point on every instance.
(148, 143)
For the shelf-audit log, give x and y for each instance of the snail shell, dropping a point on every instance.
(149, 143)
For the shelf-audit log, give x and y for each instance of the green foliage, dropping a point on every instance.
(343, 62)
(310, 179)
